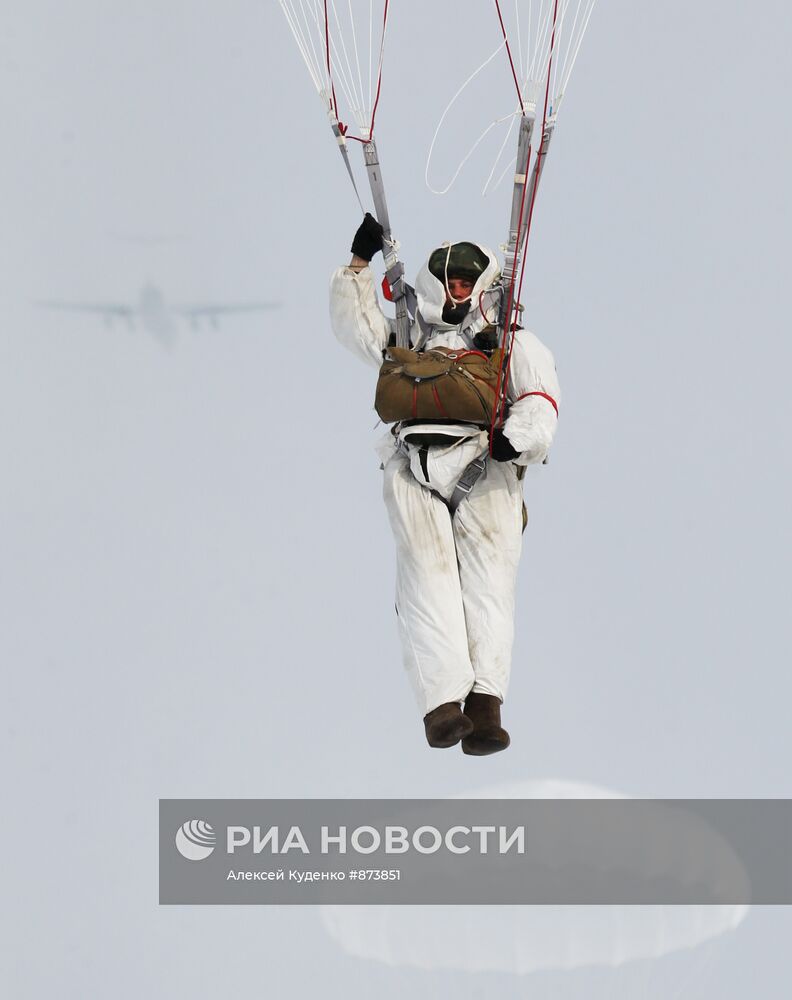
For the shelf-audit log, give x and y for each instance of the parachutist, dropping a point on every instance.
(454, 498)
(454, 365)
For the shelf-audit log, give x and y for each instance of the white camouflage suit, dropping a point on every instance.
(455, 577)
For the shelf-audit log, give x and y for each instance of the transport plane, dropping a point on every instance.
(154, 314)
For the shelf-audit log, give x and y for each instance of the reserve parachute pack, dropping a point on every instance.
(438, 384)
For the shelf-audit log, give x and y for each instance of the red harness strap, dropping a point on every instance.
(544, 395)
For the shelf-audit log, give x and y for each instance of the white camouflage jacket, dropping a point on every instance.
(534, 394)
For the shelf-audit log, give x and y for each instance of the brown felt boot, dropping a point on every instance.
(446, 725)
(487, 736)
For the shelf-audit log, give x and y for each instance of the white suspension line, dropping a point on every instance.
(556, 45)
(570, 37)
(509, 166)
(358, 98)
(296, 32)
(371, 26)
(535, 70)
(342, 67)
(585, 23)
(307, 22)
(448, 107)
(346, 86)
(317, 56)
(494, 167)
(528, 46)
(519, 39)
(549, 41)
(357, 54)
(382, 49)
(467, 156)
(337, 69)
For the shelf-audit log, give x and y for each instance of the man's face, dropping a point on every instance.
(460, 288)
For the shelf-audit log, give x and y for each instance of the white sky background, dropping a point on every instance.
(196, 572)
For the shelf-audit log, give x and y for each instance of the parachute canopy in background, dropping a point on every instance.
(529, 939)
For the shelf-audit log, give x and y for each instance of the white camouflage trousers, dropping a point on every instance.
(455, 581)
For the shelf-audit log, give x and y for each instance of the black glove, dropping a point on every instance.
(368, 238)
(502, 450)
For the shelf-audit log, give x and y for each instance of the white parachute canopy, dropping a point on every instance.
(342, 45)
(530, 939)
(540, 44)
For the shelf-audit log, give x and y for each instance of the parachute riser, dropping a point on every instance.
(344, 151)
(522, 200)
(536, 175)
(394, 269)
(512, 249)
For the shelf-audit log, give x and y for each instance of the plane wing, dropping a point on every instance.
(97, 308)
(197, 311)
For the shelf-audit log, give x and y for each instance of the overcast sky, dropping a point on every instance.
(196, 569)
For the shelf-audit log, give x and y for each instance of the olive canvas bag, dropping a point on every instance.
(439, 384)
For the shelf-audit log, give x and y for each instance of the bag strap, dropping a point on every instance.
(426, 331)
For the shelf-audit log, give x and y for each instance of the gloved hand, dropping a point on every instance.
(502, 450)
(368, 238)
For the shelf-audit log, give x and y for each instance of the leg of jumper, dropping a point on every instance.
(488, 529)
(428, 593)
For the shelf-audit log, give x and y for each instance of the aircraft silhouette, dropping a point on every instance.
(155, 315)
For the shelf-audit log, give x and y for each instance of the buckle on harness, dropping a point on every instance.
(465, 487)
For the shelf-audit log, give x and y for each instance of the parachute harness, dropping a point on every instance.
(333, 59)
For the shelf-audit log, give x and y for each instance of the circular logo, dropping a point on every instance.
(195, 840)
